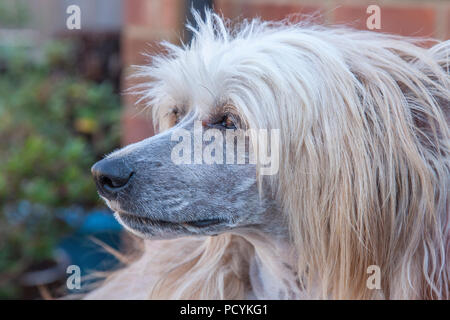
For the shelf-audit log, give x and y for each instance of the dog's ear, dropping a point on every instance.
(430, 116)
(366, 193)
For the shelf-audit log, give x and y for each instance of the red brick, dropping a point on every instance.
(136, 127)
(135, 12)
(136, 120)
(271, 11)
(226, 8)
(172, 13)
(129, 99)
(447, 33)
(407, 21)
(133, 50)
(145, 23)
(157, 14)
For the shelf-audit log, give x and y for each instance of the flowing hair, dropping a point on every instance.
(364, 160)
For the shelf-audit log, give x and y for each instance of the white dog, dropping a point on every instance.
(359, 207)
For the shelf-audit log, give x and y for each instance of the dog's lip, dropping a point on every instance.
(201, 223)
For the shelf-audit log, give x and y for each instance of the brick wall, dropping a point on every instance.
(146, 22)
(149, 21)
(405, 17)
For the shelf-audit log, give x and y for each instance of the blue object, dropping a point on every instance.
(82, 249)
(100, 221)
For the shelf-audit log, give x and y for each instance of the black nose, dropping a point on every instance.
(111, 176)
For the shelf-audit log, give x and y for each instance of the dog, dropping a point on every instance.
(360, 185)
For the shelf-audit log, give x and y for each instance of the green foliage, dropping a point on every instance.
(53, 126)
(13, 13)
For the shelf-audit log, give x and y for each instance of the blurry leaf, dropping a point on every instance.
(53, 126)
(86, 125)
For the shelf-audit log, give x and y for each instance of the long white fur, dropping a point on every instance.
(364, 167)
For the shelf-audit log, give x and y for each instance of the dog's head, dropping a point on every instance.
(176, 183)
(363, 147)
(199, 175)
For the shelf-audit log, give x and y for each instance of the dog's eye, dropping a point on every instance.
(225, 122)
(176, 115)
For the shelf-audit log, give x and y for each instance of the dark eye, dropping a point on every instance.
(176, 115)
(226, 122)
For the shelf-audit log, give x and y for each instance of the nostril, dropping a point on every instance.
(114, 182)
(105, 181)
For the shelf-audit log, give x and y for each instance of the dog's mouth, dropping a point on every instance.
(132, 219)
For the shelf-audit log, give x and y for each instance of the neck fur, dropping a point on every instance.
(243, 265)
(271, 272)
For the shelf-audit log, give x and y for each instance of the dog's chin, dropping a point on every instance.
(148, 228)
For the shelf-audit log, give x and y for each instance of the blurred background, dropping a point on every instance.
(61, 109)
